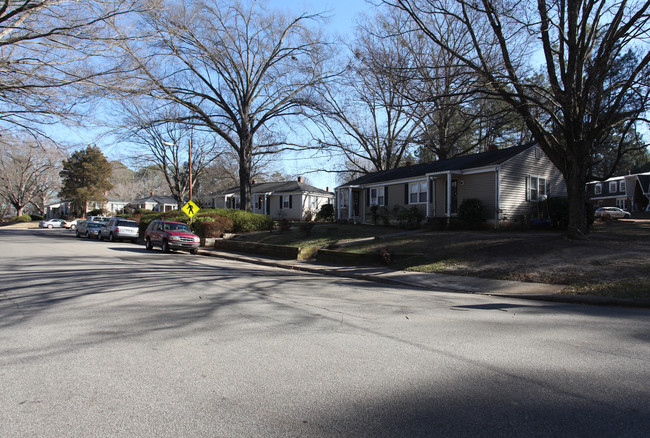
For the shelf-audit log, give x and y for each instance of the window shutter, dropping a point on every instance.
(290, 201)
(281, 197)
(385, 196)
(528, 188)
(430, 191)
(406, 194)
(367, 197)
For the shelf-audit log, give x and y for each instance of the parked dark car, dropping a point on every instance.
(89, 229)
(171, 235)
(120, 229)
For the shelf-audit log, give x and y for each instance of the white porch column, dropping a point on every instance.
(350, 203)
(448, 194)
(428, 195)
(337, 200)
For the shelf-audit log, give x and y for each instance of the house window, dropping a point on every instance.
(612, 187)
(313, 203)
(286, 201)
(377, 196)
(418, 193)
(621, 186)
(536, 188)
(598, 189)
(620, 203)
(344, 199)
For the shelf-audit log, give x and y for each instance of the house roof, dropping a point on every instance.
(277, 188)
(155, 199)
(483, 159)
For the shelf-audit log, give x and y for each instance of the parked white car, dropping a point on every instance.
(51, 223)
(612, 213)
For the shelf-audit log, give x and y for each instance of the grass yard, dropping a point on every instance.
(614, 261)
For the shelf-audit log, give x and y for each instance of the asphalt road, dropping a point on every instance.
(107, 339)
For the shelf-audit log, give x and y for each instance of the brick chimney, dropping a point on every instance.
(327, 189)
(254, 181)
(300, 179)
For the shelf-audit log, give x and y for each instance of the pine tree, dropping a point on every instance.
(86, 178)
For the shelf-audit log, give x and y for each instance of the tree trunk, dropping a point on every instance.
(245, 166)
(576, 180)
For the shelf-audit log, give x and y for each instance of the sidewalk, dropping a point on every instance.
(437, 282)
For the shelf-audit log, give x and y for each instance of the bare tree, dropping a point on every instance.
(238, 69)
(26, 171)
(580, 41)
(169, 144)
(49, 48)
(365, 113)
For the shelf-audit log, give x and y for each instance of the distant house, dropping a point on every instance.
(155, 203)
(288, 199)
(66, 209)
(506, 181)
(629, 192)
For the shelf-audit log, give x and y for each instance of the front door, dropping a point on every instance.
(355, 204)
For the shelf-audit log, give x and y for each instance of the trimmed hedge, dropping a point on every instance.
(242, 221)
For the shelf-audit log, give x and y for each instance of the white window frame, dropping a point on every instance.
(418, 192)
(313, 203)
(613, 186)
(621, 186)
(344, 199)
(620, 203)
(377, 195)
(598, 189)
(535, 193)
(286, 201)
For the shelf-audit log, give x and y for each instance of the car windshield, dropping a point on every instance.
(177, 227)
(94, 225)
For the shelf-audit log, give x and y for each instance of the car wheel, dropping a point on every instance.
(111, 237)
(77, 234)
(99, 236)
(194, 251)
(88, 236)
(165, 246)
(49, 227)
(147, 244)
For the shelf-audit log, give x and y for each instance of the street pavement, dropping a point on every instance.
(108, 339)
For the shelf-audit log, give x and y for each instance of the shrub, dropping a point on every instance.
(245, 221)
(408, 218)
(96, 212)
(326, 213)
(23, 218)
(380, 215)
(210, 227)
(471, 211)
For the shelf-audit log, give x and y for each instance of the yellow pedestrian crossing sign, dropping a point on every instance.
(190, 209)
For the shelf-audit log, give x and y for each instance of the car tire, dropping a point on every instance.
(73, 227)
(77, 234)
(99, 236)
(147, 244)
(194, 251)
(49, 227)
(111, 238)
(165, 246)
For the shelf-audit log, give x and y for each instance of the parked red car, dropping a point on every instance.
(171, 235)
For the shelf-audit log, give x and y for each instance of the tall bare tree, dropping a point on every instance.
(27, 170)
(49, 48)
(169, 146)
(580, 41)
(239, 69)
(366, 114)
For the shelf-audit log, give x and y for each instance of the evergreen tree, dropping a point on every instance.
(86, 178)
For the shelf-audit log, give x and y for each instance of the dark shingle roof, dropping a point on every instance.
(483, 159)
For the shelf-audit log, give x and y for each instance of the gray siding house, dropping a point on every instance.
(281, 200)
(507, 181)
